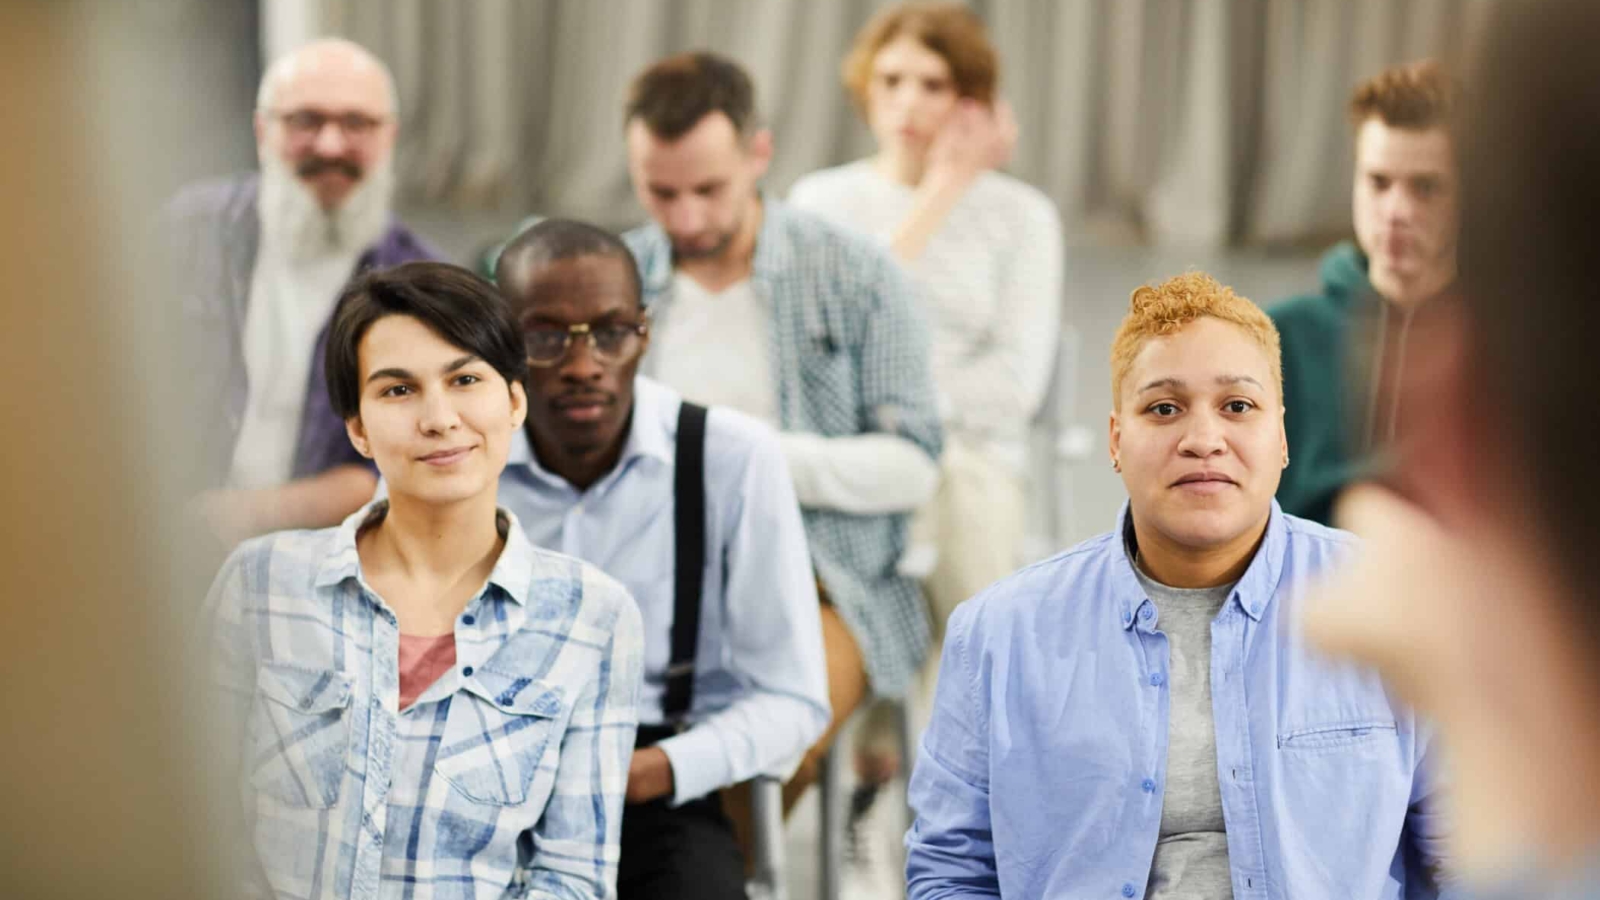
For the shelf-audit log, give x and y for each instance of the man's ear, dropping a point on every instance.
(358, 436)
(759, 149)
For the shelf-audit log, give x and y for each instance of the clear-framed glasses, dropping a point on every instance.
(610, 342)
(308, 123)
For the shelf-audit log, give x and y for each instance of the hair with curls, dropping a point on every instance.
(949, 29)
(1417, 95)
(1164, 308)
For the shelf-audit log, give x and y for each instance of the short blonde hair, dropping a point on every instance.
(949, 29)
(1162, 309)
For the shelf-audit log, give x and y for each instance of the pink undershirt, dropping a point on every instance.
(422, 661)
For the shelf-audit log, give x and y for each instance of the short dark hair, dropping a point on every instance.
(673, 95)
(457, 305)
(553, 240)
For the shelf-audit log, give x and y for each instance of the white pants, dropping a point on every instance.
(977, 520)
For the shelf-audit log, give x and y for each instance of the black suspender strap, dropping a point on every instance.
(689, 539)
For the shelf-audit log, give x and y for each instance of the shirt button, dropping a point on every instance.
(469, 620)
(1127, 617)
(1149, 785)
(1127, 890)
(467, 671)
(1144, 613)
(1157, 679)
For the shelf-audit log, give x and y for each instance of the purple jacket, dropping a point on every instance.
(213, 233)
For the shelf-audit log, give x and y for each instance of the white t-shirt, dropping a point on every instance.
(714, 348)
(992, 278)
(290, 301)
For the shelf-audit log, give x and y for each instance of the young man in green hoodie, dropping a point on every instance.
(1343, 345)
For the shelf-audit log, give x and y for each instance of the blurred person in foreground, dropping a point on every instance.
(986, 251)
(1477, 598)
(1139, 716)
(258, 261)
(1345, 347)
(420, 701)
(694, 511)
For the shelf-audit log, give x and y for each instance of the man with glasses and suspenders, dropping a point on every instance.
(695, 512)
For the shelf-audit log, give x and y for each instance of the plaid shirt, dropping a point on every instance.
(505, 778)
(850, 357)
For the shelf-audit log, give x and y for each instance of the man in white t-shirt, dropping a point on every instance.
(775, 312)
(261, 260)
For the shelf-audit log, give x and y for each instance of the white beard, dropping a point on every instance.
(296, 224)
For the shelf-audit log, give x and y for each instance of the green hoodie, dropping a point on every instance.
(1327, 359)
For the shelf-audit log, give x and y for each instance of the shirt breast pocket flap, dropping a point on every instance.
(1336, 736)
(502, 738)
(300, 734)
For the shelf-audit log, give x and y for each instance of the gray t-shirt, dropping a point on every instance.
(1191, 861)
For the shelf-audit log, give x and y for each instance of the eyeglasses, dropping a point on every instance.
(308, 123)
(610, 342)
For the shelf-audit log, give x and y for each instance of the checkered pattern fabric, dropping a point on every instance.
(505, 778)
(851, 357)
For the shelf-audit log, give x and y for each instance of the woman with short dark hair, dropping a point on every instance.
(420, 696)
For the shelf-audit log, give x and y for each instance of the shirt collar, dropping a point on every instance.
(1254, 591)
(653, 407)
(773, 255)
(512, 572)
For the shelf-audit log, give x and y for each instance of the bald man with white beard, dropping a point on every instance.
(261, 260)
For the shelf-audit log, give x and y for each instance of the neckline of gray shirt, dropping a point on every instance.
(1191, 857)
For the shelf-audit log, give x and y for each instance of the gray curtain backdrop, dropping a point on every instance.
(1188, 123)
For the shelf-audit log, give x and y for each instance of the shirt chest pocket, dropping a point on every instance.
(300, 735)
(502, 739)
(1343, 711)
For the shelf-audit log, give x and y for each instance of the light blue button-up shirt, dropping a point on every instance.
(1051, 716)
(760, 688)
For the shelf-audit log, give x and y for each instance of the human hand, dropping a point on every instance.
(649, 775)
(973, 139)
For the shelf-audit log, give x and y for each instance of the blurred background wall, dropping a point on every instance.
(1166, 121)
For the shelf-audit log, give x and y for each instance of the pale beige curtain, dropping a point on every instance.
(1177, 122)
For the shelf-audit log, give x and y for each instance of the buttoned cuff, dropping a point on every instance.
(699, 765)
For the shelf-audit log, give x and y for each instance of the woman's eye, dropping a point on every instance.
(1165, 409)
(1240, 407)
(395, 390)
(465, 380)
